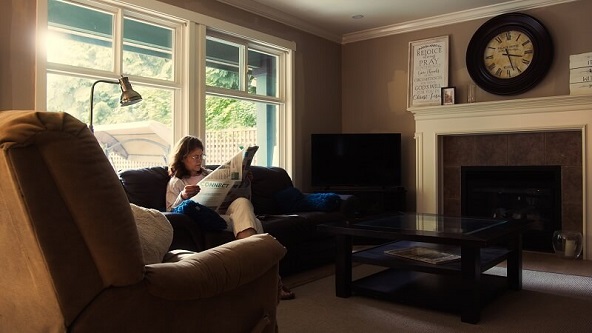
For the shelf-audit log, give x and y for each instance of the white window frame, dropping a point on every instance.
(190, 90)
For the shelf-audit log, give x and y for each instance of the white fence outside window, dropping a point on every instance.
(221, 145)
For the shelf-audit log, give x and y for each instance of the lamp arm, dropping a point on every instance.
(92, 91)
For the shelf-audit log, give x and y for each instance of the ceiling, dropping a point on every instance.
(335, 19)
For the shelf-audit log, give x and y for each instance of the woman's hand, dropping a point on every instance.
(189, 191)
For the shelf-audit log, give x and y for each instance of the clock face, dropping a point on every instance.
(508, 54)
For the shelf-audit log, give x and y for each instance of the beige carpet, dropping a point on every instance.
(549, 302)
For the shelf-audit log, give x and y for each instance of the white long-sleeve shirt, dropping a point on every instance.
(176, 186)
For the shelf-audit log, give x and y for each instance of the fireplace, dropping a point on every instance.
(525, 194)
(516, 164)
(480, 126)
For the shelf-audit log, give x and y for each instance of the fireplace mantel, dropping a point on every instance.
(505, 107)
(555, 113)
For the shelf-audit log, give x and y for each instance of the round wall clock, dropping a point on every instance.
(509, 54)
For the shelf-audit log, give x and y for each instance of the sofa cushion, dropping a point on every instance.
(146, 187)
(267, 181)
(291, 200)
(155, 232)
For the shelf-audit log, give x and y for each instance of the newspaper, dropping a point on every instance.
(227, 182)
(424, 254)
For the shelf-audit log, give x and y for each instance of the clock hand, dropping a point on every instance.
(512, 55)
(509, 58)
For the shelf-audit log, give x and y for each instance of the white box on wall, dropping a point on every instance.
(580, 74)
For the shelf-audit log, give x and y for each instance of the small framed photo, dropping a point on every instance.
(448, 95)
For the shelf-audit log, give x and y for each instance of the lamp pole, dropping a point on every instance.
(92, 91)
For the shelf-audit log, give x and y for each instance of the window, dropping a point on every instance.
(84, 44)
(147, 49)
(232, 124)
(79, 36)
(237, 98)
(242, 103)
(241, 67)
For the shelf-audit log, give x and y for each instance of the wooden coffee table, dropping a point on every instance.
(458, 285)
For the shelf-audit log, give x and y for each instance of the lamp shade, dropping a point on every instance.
(128, 95)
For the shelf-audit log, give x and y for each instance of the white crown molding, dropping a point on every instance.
(429, 22)
(442, 20)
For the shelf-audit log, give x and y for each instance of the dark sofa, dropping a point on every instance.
(297, 231)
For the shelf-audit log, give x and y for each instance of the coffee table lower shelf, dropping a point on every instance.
(443, 286)
(433, 291)
(489, 257)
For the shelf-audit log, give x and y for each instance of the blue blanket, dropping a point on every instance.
(207, 218)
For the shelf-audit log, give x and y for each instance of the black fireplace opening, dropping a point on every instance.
(531, 194)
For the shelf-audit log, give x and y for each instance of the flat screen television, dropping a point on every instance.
(371, 160)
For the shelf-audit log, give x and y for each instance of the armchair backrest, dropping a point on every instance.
(66, 228)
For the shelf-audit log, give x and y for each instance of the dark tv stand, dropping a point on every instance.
(375, 200)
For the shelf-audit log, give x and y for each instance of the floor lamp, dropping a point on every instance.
(128, 95)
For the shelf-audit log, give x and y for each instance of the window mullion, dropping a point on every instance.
(78, 71)
(222, 92)
(243, 68)
(118, 43)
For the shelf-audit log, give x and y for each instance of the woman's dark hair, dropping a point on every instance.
(186, 145)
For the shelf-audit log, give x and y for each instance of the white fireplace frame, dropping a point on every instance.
(509, 116)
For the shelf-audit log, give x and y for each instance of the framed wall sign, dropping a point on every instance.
(428, 71)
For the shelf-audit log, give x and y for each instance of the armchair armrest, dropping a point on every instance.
(214, 271)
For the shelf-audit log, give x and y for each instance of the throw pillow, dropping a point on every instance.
(155, 231)
(325, 202)
(207, 218)
(291, 200)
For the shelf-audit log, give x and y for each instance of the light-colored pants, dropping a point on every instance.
(240, 216)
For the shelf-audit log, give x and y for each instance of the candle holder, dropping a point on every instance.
(567, 244)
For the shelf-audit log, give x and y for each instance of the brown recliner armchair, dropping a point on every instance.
(70, 252)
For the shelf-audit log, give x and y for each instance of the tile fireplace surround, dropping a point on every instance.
(547, 114)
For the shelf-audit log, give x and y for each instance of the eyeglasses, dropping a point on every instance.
(197, 157)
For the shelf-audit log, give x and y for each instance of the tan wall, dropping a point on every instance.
(374, 77)
(17, 54)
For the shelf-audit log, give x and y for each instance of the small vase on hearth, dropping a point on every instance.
(567, 244)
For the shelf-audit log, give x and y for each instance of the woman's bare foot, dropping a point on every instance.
(286, 294)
